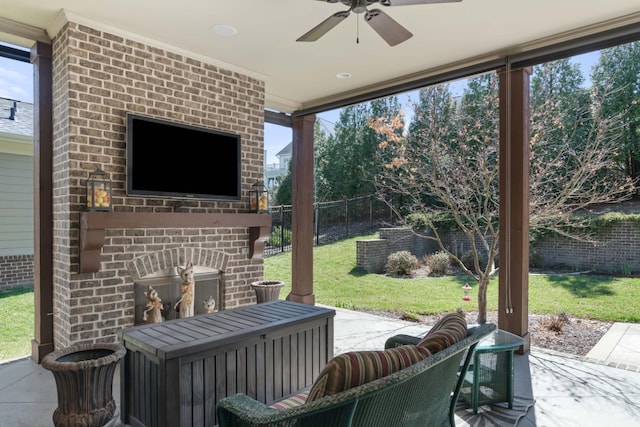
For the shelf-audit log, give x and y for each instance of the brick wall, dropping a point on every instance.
(16, 270)
(372, 254)
(616, 251)
(97, 78)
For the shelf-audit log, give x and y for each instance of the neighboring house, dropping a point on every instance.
(275, 170)
(16, 193)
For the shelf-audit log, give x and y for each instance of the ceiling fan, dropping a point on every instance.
(390, 30)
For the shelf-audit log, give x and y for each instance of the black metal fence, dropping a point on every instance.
(332, 221)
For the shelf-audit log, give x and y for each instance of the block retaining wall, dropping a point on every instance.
(616, 250)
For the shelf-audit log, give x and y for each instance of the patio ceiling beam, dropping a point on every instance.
(21, 34)
(15, 54)
(276, 118)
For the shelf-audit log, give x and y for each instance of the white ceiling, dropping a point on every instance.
(303, 75)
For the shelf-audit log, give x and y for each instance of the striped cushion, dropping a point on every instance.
(448, 331)
(291, 402)
(355, 368)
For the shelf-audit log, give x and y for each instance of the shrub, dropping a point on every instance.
(438, 263)
(418, 221)
(280, 237)
(422, 221)
(401, 263)
(556, 323)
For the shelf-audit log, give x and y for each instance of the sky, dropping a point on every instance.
(16, 82)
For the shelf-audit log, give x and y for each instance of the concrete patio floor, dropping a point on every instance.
(599, 390)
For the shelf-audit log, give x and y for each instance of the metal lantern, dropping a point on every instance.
(99, 191)
(259, 198)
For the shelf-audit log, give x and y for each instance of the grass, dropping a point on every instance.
(338, 283)
(16, 318)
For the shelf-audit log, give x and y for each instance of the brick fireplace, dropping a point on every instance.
(99, 76)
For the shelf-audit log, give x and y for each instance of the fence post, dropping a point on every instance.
(346, 215)
(370, 211)
(316, 209)
(281, 228)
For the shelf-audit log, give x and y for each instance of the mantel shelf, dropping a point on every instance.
(94, 224)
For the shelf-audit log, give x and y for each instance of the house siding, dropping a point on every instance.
(16, 209)
(16, 220)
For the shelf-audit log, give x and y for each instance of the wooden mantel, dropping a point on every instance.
(94, 224)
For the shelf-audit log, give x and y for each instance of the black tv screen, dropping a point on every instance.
(166, 159)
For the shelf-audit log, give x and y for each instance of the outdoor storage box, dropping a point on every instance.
(174, 372)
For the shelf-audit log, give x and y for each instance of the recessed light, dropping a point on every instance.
(343, 75)
(224, 30)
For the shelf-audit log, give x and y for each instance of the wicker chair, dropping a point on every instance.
(423, 394)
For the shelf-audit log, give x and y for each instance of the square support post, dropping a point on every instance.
(42, 344)
(302, 216)
(513, 304)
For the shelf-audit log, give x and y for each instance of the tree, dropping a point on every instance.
(285, 184)
(462, 173)
(346, 162)
(568, 176)
(558, 103)
(285, 188)
(618, 74)
(452, 160)
(338, 160)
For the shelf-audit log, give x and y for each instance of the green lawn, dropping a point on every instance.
(337, 282)
(16, 320)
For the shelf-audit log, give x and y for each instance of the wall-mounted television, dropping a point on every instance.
(167, 159)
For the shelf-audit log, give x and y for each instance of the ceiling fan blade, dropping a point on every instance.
(392, 32)
(410, 2)
(323, 28)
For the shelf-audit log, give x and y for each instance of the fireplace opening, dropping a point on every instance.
(167, 285)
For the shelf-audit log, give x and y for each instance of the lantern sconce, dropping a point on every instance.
(99, 191)
(466, 289)
(259, 198)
